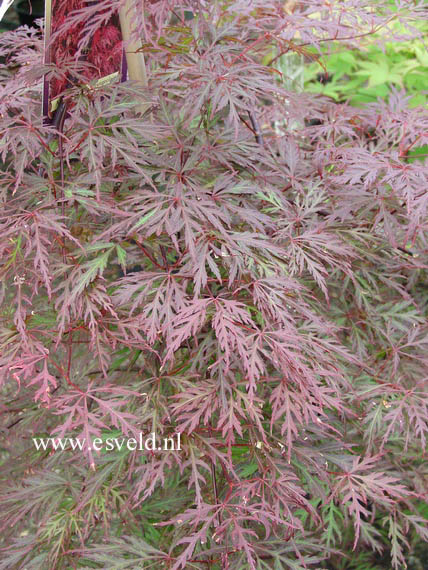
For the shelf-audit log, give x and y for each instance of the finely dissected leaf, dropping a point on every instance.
(357, 488)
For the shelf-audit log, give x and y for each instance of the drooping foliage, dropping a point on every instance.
(242, 264)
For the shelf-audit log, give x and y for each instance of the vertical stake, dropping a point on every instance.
(134, 55)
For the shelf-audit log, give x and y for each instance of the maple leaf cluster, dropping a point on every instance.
(243, 264)
(102, 55)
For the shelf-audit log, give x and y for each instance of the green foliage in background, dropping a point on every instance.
(362, 75)
(365, 74)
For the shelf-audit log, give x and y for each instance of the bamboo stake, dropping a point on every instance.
(134, 55)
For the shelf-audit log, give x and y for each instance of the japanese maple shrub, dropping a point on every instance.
(243, 265)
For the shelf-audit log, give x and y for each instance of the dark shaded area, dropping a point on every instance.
(29, 13)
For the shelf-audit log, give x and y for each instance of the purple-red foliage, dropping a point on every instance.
(103, 53)
(220, 267)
